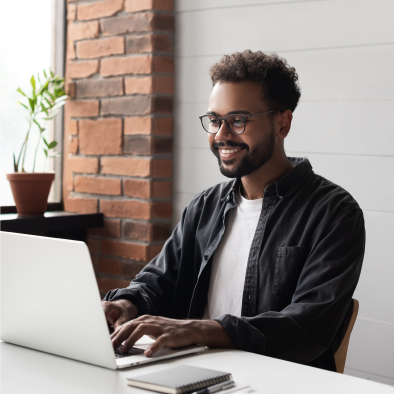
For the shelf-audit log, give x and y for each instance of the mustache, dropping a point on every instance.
(230, 144)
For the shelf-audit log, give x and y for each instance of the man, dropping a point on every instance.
(265, 263)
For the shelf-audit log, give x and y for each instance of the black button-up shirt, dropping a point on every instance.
(304, 264)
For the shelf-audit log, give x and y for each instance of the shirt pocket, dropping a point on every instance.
(289, 263)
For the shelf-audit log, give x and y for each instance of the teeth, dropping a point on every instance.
(229, 150)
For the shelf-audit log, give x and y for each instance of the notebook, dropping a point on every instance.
(179, 380)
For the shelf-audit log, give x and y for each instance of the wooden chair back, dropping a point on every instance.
(341, 353)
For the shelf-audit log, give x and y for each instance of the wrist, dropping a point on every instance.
(210, 333)
(130, 310)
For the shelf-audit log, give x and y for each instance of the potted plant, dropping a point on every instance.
(31, 189)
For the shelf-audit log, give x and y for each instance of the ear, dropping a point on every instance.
(285, 119)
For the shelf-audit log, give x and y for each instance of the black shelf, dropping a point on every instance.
(57, 224)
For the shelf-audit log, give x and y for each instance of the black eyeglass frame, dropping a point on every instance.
(245, 118)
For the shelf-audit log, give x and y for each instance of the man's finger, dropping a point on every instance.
(138, 333)
(122, 333)
(157, 345)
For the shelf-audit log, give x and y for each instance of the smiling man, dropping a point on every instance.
(267, 262)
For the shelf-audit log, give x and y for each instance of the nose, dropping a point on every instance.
(222, 132)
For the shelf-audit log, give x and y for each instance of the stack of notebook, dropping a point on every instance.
(179, 380)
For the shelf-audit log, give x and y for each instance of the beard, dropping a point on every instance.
(252, 160)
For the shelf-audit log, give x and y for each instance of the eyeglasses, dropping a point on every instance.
(235, 124)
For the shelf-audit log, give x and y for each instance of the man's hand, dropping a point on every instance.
(119, 312)
(170, 332)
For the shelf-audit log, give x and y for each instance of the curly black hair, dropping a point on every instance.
(278, 80)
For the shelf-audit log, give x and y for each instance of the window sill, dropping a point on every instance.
(58, 224)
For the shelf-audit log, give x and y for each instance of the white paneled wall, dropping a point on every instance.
(343, 51)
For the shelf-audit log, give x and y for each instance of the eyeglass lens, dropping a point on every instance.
(235, 123)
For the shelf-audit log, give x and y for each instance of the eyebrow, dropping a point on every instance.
(239, 112)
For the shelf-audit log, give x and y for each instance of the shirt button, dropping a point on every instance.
(249, 297)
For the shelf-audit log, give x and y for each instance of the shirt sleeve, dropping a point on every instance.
(304, 329)
(152, 289)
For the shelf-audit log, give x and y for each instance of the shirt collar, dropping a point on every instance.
(284, 185)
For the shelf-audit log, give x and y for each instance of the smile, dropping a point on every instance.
(229, 153)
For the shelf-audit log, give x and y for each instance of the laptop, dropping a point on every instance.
(50, 302)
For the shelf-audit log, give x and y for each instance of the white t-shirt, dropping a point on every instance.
(230, 259)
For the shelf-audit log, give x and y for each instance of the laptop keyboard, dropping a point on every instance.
(134, 351)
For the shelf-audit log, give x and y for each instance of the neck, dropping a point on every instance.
(254, 184)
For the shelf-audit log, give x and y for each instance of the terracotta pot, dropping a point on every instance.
(30, 191)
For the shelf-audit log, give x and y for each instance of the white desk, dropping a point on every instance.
(29, 371)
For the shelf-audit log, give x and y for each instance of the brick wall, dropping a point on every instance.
(118, 129)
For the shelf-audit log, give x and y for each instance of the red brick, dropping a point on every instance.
(73, 145)
(162, 126)
(131, 269)
(90, 49)
(162, 189)
(126, 250)
(148, 43)
(71, 12)
(125, 166)
(80, 205)
(136, 188)
(111, 228)
(147, 146)
(93, 245)
(162, 168)
(142, 5)
(126, 209)
(82, 69)
(137, 125)
(147, 232)
(70, 91)
(127, 24)
(127, 65)
(137, 231)
(109, 266)
(163, 64)
(84, 184)
(99, 9)
(154, 250)
(100, 87)
(163, 84)
(163, 22)
(161, 210)
(82, 108)
(70, 52)
(148, 125)
(107, 284)
(80, 31)
(138, 85)
(149, 85)
(161, 145)
(73, 127)
(83, 164)
(162, 105)
(134, 105)
(101, 136)
(138, 146)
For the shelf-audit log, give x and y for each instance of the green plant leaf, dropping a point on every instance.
(21, 92)
(23, 105)
(15, 163)
(52, 74)
(46, 152)
(39, 126)
(52, 145)
(32, 104)
(45, 74)
(33, 82)
(45, 141)
(55, 155)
